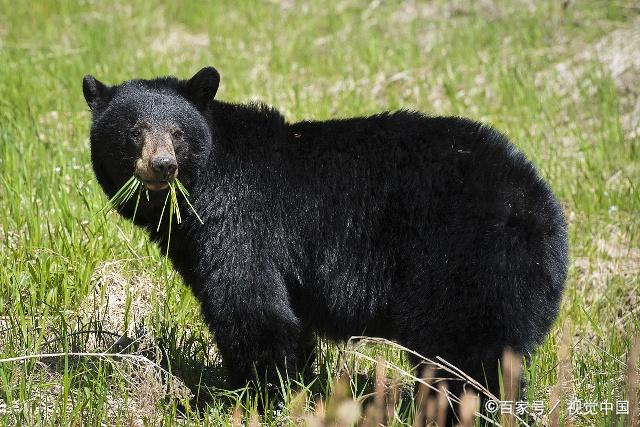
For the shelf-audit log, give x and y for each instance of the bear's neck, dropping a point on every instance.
(246, 128)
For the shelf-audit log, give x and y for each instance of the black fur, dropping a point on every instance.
(431, 231)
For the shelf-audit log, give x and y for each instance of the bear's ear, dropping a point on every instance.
(202, 87)
(94, 90)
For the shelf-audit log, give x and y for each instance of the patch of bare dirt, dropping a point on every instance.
(618, 52)
(447, 10)
(177, 40)
(617, 255)
(117, 304)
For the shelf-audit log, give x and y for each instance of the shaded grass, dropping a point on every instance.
(494, 61)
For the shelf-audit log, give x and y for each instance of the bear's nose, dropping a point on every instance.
(164, 166)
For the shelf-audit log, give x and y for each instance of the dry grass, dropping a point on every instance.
(433, 399)
(563, 387)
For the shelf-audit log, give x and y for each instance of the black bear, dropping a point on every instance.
(435, 232)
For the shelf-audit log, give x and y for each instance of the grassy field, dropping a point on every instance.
(562, 81)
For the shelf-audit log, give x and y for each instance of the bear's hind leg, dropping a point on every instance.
(482, 369)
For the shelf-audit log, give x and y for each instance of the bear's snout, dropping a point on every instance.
(157, 165)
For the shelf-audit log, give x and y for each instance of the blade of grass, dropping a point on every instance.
(122, 196)
(162, 212)
(172, 193)
(186, 194)
(135, 210)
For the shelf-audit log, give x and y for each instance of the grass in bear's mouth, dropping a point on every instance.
(134, 186)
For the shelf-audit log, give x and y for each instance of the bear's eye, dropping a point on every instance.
(177, 134)
(135, 133)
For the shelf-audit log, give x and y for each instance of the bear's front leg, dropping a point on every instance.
(255, 329)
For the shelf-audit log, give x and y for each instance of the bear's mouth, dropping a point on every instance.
(154, 185)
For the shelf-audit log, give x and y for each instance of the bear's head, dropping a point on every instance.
(153, 129)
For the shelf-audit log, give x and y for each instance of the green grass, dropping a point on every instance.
(133, 187)
(73, 283)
